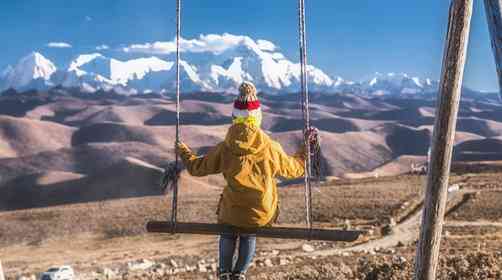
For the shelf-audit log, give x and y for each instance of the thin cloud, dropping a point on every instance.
(88, 18)
(213, 43)
(102, 47)
(59, 45)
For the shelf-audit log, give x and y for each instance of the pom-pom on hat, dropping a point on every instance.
(247, 106)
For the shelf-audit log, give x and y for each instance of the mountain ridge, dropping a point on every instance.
(211, 63)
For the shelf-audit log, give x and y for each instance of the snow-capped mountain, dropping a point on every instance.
(210, 63)
(33, 71)
(398, 84)
(95, 71)
(391, 83)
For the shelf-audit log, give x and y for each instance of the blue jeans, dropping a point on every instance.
(246, 252)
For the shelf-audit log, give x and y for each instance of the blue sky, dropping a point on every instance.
(351, 39)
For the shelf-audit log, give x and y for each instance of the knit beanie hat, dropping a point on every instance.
(247, 106)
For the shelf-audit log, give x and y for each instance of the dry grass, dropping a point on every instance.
(362, 202)
(482, 206)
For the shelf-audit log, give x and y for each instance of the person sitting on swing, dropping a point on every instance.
(250, 161)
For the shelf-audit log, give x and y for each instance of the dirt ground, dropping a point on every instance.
(111, 234)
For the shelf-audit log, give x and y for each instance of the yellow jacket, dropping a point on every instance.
(250, 161)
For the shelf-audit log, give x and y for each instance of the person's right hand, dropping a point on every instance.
(180, 147)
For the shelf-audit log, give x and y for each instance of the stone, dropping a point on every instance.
(107, 273)
(202, 268)
(388, 251)
(173, 263)
(214, 266)
(268, 263)
(308, 248)
(283, 261)
(347, 225)
(454, 188)
(178, 270)
(142, 264)
(399, 260)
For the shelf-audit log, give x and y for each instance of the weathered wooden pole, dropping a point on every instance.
(494, 18)
(443, 138)
(2, 277)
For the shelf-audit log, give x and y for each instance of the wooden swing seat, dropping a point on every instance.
(267, 232)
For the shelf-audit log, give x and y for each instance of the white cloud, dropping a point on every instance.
(59, 45)
(213, 43)
(102, 47)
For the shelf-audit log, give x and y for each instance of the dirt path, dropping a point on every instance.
(405, 232)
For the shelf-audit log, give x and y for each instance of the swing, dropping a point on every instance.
(307, 233)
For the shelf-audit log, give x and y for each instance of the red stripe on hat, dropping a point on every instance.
(251, 105)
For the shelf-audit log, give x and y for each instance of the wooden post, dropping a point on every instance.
(2, 277)
(493, 10)
(443, 139)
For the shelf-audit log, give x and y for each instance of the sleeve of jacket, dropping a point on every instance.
(289, 167)
(211, 163)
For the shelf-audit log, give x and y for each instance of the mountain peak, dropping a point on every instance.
(83, 59)
(30, 69)
(36, 59)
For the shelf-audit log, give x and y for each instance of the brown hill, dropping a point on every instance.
(344, 152)
(77, 146)
(22, 136)
(404, 140)
(194, 113)
(134, 115)
(84, 159)
(128, 177)
(488, 149)
(195, 135)
(485, 128)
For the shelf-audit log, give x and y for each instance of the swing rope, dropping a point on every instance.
(174, 210)
(305, 105)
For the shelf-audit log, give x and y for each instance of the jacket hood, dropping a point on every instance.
(245, 139)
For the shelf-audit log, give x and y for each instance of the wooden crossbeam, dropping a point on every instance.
(267, 232)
